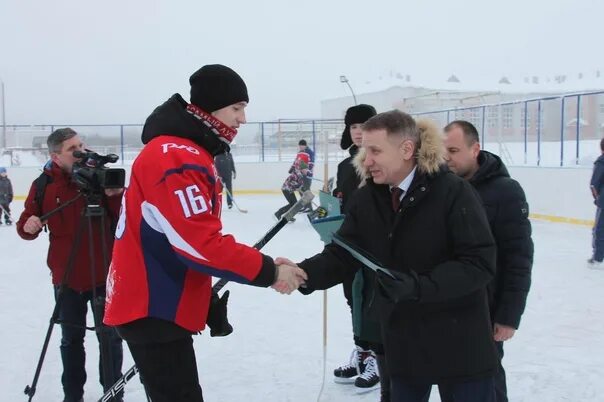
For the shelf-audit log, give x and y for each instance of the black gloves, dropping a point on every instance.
(217, 315)
(403, 287)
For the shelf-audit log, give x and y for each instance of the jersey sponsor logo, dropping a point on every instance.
(170, 145)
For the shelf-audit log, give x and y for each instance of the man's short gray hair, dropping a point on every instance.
(58, 137)
(396, 123)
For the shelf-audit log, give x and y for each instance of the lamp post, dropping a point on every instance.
(344, 80)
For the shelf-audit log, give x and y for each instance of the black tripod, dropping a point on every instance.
(93, 211)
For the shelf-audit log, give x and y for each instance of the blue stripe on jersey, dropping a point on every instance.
(188, 166)
(165, 273)
(218, 273)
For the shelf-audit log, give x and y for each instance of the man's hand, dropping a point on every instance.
(234, 175)
(33, 225)
(289, 277)
(400, 288)
(112, 192)
(502, 333)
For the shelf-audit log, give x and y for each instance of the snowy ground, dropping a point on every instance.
(275, 353)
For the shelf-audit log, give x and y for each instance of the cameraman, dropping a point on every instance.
(57, 187)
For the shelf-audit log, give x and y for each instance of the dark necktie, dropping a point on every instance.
(397, 193)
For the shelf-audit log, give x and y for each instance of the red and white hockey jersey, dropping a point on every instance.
(169, 242)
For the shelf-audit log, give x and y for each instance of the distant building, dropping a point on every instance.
(505, 122)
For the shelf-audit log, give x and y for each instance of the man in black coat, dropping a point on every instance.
(507, 212)
(433, 235)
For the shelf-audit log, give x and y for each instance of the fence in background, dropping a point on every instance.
(562, 130)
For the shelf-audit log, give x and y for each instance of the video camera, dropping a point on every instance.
(91, 175)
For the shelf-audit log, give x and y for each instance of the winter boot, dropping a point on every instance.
(369, 378)
(594, 264)
(347, 373)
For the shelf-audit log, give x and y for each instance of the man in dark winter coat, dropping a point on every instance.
(597, 190)
(361, 369)
(507, 211)
(60, 188)
(169, 242)
(226, 170)
(427, 226)
(6, 196)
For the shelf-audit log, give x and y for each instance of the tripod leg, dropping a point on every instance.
(30, 390)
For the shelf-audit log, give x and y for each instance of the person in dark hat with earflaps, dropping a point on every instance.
(169, 242)
(362, 369)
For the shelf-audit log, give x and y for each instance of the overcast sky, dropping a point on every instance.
(113, 61)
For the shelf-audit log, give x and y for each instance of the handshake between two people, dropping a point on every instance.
(289, 276)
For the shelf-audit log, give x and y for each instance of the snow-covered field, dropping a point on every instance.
(275, 353)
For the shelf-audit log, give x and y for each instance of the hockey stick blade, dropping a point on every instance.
(243, 211)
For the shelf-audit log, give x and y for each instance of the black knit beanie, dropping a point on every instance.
(355, 115)
(215, 86)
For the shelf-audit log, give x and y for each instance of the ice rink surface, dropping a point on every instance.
(275, 353)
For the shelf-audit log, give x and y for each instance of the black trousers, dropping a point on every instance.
(168, 370)
(499, 383)
(72, 313)
(291, 199)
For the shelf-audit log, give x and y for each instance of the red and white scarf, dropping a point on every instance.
(223, 131)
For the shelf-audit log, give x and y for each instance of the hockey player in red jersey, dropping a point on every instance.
(169, 242)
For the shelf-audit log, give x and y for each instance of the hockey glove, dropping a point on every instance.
(402, 287)
(217, 315)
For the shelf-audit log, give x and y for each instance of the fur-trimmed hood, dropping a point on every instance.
(430, 152)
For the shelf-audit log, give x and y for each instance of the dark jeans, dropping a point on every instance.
(227, 180)
(291, 199)
(6, 213)
(72, 313)
(472, 391)
(169, 370)
(598, 236)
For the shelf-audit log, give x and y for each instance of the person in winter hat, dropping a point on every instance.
(355, 115)
(6, 196)
(295, 181)
(361, 370)
(303, 147)
(169, 242)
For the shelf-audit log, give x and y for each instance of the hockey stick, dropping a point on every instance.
(327, 188)
(6, 212)
(224, 187)
(243, 211)
(287, 217)
(119, 384)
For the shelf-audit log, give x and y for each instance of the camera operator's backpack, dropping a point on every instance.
(40, 184)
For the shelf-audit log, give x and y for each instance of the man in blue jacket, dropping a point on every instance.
(597, 185)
